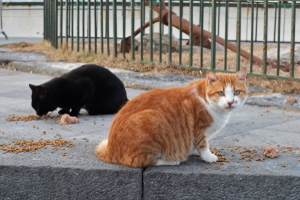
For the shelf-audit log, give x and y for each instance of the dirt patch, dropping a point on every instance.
(123, 61)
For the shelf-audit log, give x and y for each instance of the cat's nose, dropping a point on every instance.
(230, 103)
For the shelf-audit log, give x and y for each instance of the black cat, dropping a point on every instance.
(89, 86)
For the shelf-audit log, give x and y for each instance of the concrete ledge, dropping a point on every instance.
(197, 184)
(22, 182)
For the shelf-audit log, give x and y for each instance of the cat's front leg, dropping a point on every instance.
(207, 156)
(64, 111)
(75, 112)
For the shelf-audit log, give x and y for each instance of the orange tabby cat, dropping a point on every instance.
(165, 126)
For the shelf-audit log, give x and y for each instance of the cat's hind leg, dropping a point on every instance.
(161, 162)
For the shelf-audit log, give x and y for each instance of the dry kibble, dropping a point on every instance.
(32, 146)
(22, 118)
(291, 99)
(67, 119)
(270, 152)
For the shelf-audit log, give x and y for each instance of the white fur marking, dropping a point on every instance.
(207, 156)
(163, 162)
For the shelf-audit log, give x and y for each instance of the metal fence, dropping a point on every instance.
(213, 35)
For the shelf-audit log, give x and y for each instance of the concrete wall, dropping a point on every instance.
(25, 21)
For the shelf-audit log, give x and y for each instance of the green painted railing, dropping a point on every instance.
(255, 27)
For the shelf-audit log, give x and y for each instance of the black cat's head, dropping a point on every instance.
(40, 100)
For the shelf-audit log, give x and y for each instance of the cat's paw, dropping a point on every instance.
(209, 157)
(162, 162)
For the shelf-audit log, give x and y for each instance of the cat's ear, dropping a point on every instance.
(32, 87)
(42, 91)
(241, 75)
(211, 77)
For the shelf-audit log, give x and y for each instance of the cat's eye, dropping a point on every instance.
(221, 93)
(237, 92)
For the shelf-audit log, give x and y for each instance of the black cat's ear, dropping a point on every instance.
(42, 91)
(241, 75)
(211, 77)
(32, 87)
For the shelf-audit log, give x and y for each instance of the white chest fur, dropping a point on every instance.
(220, 120)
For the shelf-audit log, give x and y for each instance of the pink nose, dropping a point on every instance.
(230, 103)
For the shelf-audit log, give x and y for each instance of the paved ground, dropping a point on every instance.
(75, 173)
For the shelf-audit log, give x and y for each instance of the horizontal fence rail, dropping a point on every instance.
(211, 35)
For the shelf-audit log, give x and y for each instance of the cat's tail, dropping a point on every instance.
(101, 151)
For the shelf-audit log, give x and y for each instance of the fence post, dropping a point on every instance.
(213, 38)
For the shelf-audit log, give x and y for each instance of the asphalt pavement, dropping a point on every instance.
(73, 171)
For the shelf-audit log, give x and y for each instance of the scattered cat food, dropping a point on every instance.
(31, 146)
(291, 99)
(22, 118)
(297, 152)
(260, 159)
(67, 119)
(299, 159)
(270, 152)
(217, 167)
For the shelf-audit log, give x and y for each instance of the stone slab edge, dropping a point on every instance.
(22, 182)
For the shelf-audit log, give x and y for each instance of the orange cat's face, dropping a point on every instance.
(226, 91)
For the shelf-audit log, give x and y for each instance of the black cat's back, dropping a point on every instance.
(89, 86)
(109, 93)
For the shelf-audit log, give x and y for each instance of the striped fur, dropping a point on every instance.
(165, 126)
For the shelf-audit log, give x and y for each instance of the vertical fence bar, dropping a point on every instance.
(265, 40)
(78, 25)
(83, 25)
(132, 30)
(293, 20)
(170, 32)
(115, 28)
(95, 25)
(278, 37)
(67, 6)
(107, 26)
(275, 21)
(160, 33)
(256, 22)
(213, 38)
(191, 36)
(101, 26)
(89, 27)
(226, 35)
(142, 30)
(61, 23)
(124, 27)
(46, 16)
(72, 25)
(201, 21)
(252, 37)
(151, 30)
(247, 22)
(55, 8)
(219, 10)
(238, 35)
(180, 32)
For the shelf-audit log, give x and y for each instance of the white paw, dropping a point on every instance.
(209, 157)
(162, 162)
